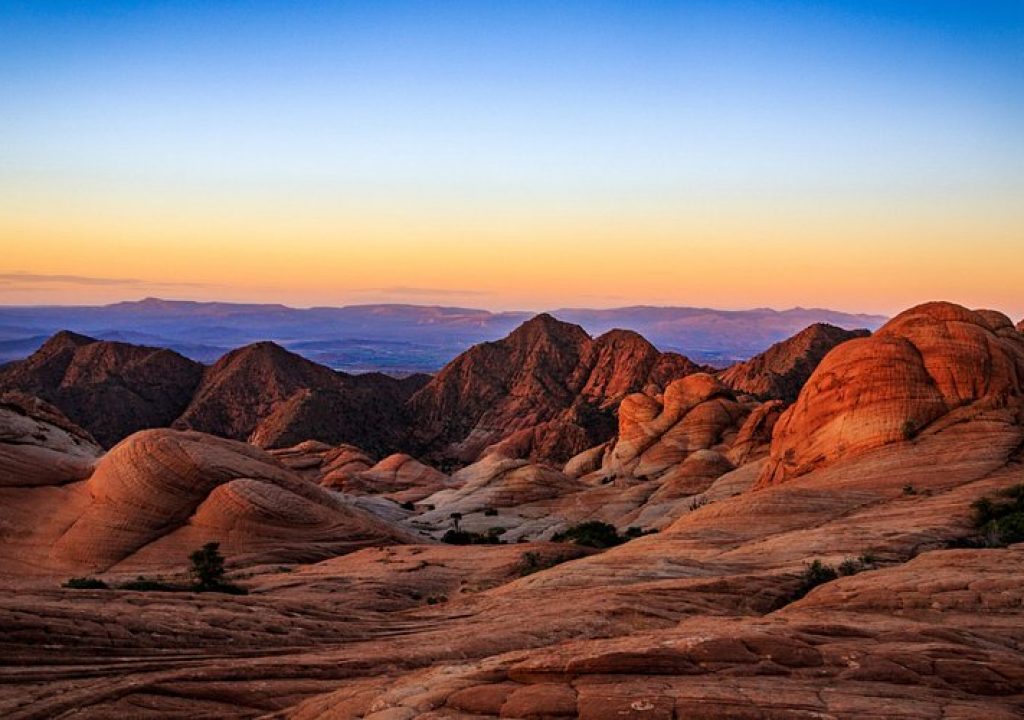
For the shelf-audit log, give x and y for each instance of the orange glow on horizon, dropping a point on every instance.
(867, 258)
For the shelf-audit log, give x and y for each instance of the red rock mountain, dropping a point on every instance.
(930, 366)
(275, 398)
(111, 389)
(781, 371)
(546, 392)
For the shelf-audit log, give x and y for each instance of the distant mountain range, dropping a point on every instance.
(397, 339)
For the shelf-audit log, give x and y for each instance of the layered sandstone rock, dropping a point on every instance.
(328, 465)
(111, 389)
(39, 446)
(695, 413)
(400, 477)
(163, 491)
(928, 362)
(546, 392)
(781, 371)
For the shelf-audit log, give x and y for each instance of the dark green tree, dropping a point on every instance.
(208, 566)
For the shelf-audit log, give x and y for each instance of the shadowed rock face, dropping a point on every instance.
(546, 392)
(111, 389)
(929, 362)
(781, 371)
(275, 398)
(39, 446)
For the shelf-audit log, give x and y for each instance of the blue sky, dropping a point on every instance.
(452, 110)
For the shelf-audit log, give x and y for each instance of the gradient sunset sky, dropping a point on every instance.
(862, 156)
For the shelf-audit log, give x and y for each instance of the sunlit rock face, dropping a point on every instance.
(929, 362)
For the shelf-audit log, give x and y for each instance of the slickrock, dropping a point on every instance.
(497, 482)
(547, 390)
(755, 435)
(781, 371)
(928, 362)
(695, 413)
(399, 476)
(39, 446)
(110, 389)
(669, 620)
(711, 616)
(162, 493)
(327, 465)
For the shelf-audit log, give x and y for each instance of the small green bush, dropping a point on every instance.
(593, 533)
(815, 573)
(491, 512)
(909, 490)
(85, 583)
(1000, 521)
(465, 537)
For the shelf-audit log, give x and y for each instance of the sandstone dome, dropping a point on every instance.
(925, 363)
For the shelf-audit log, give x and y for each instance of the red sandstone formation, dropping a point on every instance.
(548, 391)
(111, 389)
(935, 362)
(781, 371)
(702, 619)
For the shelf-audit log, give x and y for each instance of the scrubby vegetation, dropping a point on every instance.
(816, 573)
(465, 537)
(85, 583)
(698, 502)
(145, 584)
(597, 534)
(593, 533)
(1000, 520)
(206, 571)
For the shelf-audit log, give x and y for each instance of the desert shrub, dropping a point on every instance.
(465, 537)
(144, 584)
(85, 583)
(207, 565)
(435, 599)
(1000, 520)
(491, 512)
(909, 490)
(849, 566)
(698, 502)
(815, 573)
(593, 533)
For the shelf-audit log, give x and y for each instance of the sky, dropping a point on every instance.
(863, 156)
